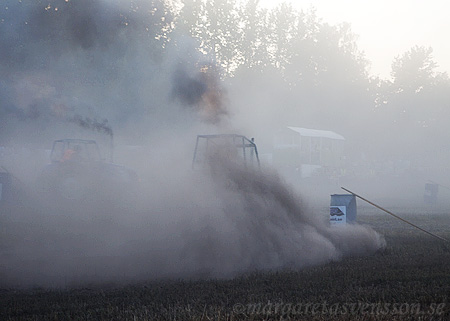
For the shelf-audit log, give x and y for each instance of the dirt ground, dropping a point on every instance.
(409, 279)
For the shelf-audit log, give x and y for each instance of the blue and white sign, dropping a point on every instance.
(338, 214)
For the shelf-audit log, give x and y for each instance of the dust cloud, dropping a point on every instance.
(82, 71)
(218, 222)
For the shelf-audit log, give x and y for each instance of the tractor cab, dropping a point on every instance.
(78, 172)
(236, 148)
(75, 150)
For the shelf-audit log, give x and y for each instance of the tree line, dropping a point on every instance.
(315, 69)
(325, 74)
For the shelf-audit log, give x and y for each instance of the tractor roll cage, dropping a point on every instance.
(61, 145)
(245, 146)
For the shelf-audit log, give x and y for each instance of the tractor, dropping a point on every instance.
(236, 147)
(77, 172)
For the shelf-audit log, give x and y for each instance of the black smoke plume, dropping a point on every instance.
(200, 88)
(92, 124)
(189, 89)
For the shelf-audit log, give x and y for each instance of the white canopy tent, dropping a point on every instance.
(308, 149)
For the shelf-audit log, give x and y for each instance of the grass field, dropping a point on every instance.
(410, 279)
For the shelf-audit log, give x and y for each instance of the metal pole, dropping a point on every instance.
(243, 151)
(390, 213)
(112, 148)
(195, 154)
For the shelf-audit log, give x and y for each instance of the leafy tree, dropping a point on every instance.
(253, 42)
(303, 66)
(414, 79)
(214, 23)
(281, 25)
(222, 32)
(412, 105)
(189, 20)
(413, 70)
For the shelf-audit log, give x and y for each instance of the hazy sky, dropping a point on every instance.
(388, 28)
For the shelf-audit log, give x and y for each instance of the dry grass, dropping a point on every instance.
(410, 279)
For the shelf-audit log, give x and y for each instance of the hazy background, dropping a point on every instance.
(155, 74)
(386, 29)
